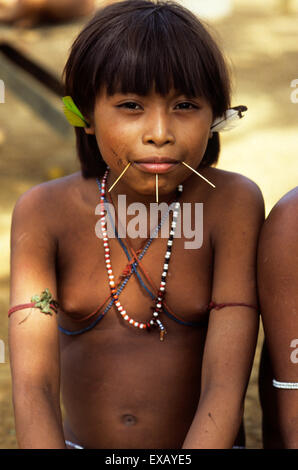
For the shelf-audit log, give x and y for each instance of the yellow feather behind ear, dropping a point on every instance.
(73, 118)
(73, 114)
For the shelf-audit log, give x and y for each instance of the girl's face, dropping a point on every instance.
(143, 129)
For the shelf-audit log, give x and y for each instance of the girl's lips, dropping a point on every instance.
(155, 167)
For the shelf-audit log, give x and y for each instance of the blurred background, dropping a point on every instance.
(260, 40)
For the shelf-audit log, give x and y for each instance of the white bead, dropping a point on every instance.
(107, 250)
(136, 324)
(110, 271)
(112, 283)
(120, 308)
(177, 205)
(158, 305)
(155, 314)
(170, 242)
(162, 288)
(111, 277)
(105, 239)
(166, 267)
(167, 255)
(173, 224)
(126, 317)
(141, 325)
(131, 321)
(172, 232)
(162, 283)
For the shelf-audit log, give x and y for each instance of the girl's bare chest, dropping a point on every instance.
(137, 266)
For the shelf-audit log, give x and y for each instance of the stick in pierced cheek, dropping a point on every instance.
(201, 176)
(120, 176)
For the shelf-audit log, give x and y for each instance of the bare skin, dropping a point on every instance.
(277, 279)
(30, 12)
(122, 387)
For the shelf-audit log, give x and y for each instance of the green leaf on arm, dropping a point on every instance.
(43, 301)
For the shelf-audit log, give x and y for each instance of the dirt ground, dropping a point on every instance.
(261, 42)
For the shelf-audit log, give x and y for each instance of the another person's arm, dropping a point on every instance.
(278, 291)
(31, 11)
(33, 335)
(232, 331)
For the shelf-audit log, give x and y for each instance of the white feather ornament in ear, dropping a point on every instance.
(229, 120)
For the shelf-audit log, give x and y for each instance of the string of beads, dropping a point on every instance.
(155, 321)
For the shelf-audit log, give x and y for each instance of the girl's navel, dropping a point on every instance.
(129, 420)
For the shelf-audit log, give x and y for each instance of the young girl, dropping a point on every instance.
(153, 343)
(277, 280)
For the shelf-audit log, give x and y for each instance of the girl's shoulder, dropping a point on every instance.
(230, 182)
(50, 201)
(48, 193)
(234, 195)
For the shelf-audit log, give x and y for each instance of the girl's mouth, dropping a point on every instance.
(156, 167)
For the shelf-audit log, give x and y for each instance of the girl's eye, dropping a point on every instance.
(130, 105)
(186, 105)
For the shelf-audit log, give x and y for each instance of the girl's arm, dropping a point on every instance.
(232, 331)
(278, 290)
(33, 335)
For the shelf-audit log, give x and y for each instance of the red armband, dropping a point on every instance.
(231, 304)
(44, 302)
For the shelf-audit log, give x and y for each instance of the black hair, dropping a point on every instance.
(132, 46)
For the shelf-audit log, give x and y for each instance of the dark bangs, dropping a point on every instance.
(135, 46)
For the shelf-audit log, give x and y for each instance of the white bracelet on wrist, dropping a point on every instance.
(285, 385)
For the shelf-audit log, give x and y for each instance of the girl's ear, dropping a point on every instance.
(90, 129)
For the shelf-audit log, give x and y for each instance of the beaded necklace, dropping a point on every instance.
(158, 307)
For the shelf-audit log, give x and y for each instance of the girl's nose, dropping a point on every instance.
(158, 131)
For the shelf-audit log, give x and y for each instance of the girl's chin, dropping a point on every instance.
(151, 192)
